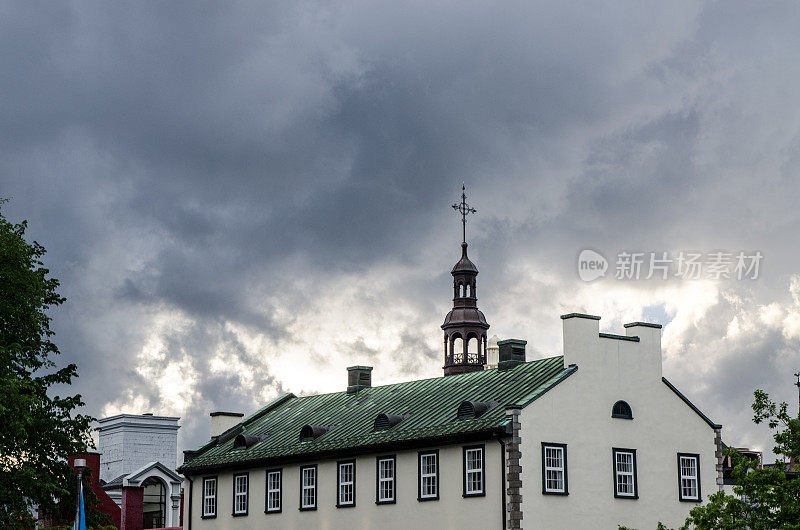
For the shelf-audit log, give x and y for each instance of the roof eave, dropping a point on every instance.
(497, 431)
(530, 398)
(691, 405)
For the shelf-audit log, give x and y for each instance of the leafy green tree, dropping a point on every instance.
(764, 498)
(38, 430)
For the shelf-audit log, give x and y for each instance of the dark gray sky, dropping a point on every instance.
(242, 199)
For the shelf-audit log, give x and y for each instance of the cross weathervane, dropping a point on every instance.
(797, 384)
(464, 209)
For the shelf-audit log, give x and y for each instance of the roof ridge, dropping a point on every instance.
(449, 378)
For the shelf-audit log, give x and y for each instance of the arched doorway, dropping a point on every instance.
(155, 503)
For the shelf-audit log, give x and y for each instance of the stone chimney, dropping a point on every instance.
(358, 378)
(511, 353)
(222, 421)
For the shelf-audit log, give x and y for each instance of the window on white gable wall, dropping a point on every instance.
(240, 494)
(474, 463)
(689, 477)
(625, 482)
(346, 482)
(554, 469)
(209, 497)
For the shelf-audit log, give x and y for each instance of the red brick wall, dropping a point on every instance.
(105, 504)
(132, 508)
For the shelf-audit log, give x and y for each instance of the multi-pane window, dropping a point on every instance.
(625, 473)
(346, 482)
(554, 469)
(308, 488)
(473, 471)
(274, 491)
(240, 483)
(428, 476)
(210, 497)
(385, 481)
(689, 477)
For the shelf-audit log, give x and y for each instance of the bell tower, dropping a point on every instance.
(464, 326)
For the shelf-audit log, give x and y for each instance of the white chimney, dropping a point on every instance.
(492, 352)
(580, 339)
(222, 421)
(649, 343)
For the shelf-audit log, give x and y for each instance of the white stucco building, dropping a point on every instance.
(593, 438)
(138, 456)
(590, 438)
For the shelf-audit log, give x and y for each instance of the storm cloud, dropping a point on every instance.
(242, 199)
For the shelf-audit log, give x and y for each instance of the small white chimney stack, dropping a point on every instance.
(222, 421)
(492, 352)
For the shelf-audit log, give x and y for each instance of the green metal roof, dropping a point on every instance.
(430, 405)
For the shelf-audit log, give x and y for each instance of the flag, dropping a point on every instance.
(80, 522)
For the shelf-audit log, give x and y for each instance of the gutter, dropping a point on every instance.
(347, 452)
(503, 481)
(188, 521)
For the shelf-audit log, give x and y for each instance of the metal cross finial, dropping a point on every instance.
(464, 209)
(797, 375)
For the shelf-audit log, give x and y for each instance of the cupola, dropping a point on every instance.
(464, 326)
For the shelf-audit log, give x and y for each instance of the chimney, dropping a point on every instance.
(511, 353)
(358, 378)
(581, 333)
(222, 421)
(649, 343)
(492, 352)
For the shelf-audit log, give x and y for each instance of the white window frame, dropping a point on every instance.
(385, 479)
(346, 487)
(240, 494)
(691, 481)
(428, 477)
(554, 454)
(623, 453)
(274, 508)
(209, 497)
(474, 474)
(308, 484)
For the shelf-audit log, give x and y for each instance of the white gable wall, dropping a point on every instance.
(577, 412)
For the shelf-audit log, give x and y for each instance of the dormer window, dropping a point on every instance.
(387, 421)
(312, 432)
(246, 441)
(473, 409)
(622, 410)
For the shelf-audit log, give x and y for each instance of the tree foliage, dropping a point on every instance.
(38, 430)
(765, 498)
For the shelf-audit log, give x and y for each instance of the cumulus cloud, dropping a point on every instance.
(242, 199)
